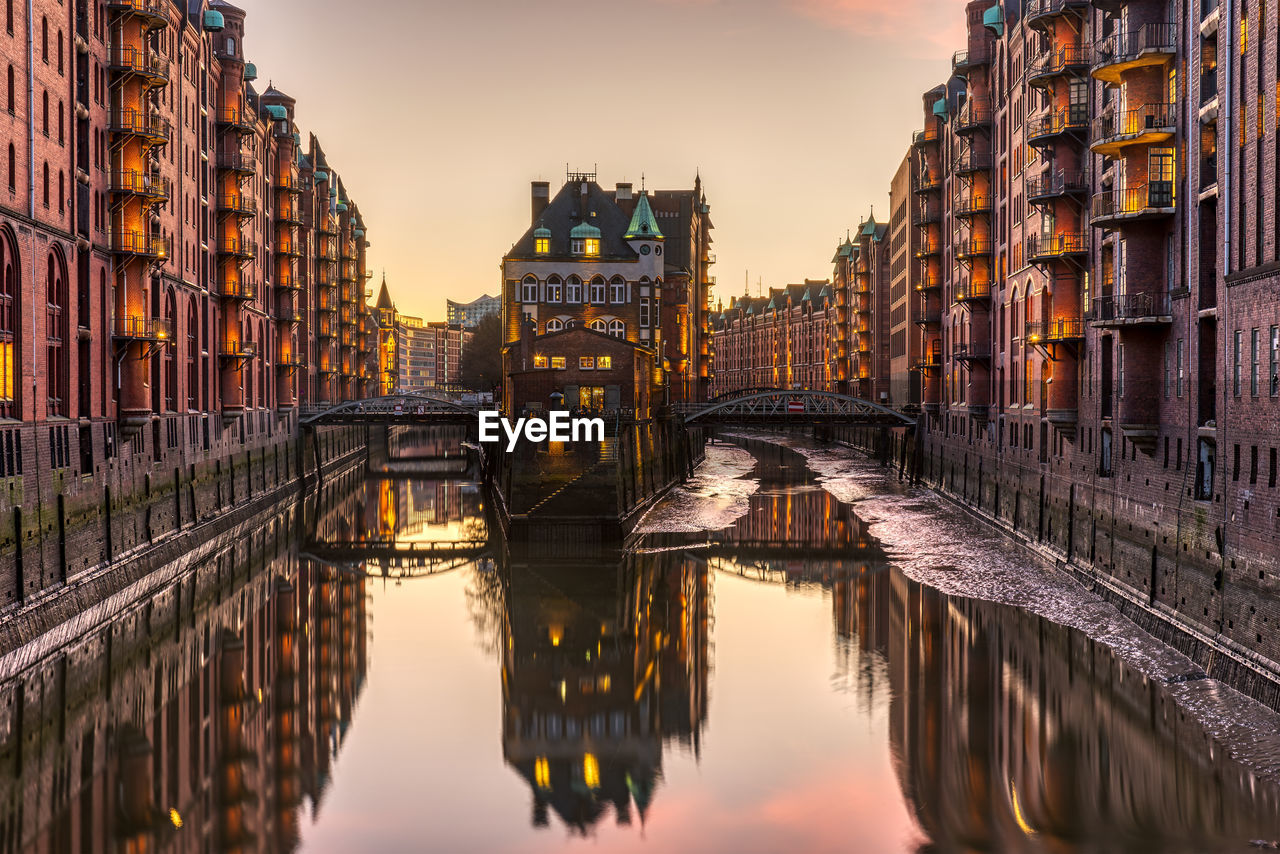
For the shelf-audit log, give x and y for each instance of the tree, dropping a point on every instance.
(482, 355)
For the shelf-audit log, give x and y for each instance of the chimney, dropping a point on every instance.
(541, 198)
(624, 193)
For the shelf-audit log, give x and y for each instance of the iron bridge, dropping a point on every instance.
(405, 408)
(762, 406)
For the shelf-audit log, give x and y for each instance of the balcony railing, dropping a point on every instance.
(1145, 124)
(972, 291)
(291, 248)
(289, 215)
(1072, 119)
(288, 280)
(140, 243)
(926, 214)
(928, 361)
(143, 328)
(155, 11)
(928, 282)
(962, 60)
(1137, 202)
(289, 315)
(130, 60)
(929, 316)
(1149, 44)
(975, 113)
(237, 246)
(241, 204)
(288, 182)
(963, 351)
(925, 183)
(929, 246)
(1054, 331)
(242, 120)
(239, 290)
(327, 327)
(1039, 10)
(243, 163)
(929, 134)
(1122, 309)
(970, 247)
(1055, 183)
(972, 161)
(1047, 246)
(138, 123)
(238, 349)
(135, 183)
(971, 204)
(1062, 59)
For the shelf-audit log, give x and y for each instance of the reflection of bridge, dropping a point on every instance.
(756, 406)
(404, 408)
(396, 559)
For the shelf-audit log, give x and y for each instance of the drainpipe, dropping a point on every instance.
(31, 168)
(1228, 339)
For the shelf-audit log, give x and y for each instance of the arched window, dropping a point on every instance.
(60, 67)
(554, 325)
(597, 290)
(170, 366)
(62, 133)
(10, 100)
(246, 373)
(529, 289)
(193, 355)
(554, 289)
(46, 185)
(44, 39)
(617, 329)
(262, 366)
(13, 168)
(617, 290)
(599, 326)
(8, 16)
(56, 334)
(44, 112)
(573, 290)
(8, 327)
(62, 191)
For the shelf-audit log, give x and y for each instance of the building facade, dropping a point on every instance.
(468, 314)
(415, 354)
(1102, 369)
(596, 260)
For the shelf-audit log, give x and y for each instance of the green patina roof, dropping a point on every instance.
(277, 112)
(869, 230)
(825, 292)
(321, 175)
(250, 72)
(940, 108)
(643, 225)
(213, 21)
(584, 229)
(807, 297)
(994, 19)
(542, 232)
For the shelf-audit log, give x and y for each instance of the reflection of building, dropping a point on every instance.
(468, 314)
(600, 670)
(204, 717)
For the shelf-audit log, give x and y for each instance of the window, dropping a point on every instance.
(617, 329)
(604, 363)
(1275, 361)
(542, 245)
(586, 363)
(56, 335)
(193, 356)
(1237, 355)
(577, 246)
(593, 246)
(539, 361)
(8, 327)
(44, 40)
(46, 185)
(529, 289)
(644, 311)
(1181, 360)
(599, 326)
(554, 325)
(1255, 344)
(44, 114)
(573, 290)
(170, 368)
(554, 289)
(617, 290)
(10, 100)
(13, 168)
(597, 291)
(557, 363)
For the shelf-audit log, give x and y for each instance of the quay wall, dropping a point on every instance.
(1137, 537)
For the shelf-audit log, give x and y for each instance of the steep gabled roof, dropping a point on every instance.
(643, 224)
(571, 208)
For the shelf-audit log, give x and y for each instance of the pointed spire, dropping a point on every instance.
(644, 226)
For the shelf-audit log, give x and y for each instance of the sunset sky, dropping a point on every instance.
(439, 114)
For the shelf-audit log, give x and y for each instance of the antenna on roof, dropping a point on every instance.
(642, 182)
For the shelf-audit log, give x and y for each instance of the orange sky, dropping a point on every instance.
(439, 114)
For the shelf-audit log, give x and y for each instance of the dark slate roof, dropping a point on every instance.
(384, 296)
(574, 330)
(568, 209)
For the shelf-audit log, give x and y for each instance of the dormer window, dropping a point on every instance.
(542, 245)
(593, 246)
(585, 240)
(579, 246)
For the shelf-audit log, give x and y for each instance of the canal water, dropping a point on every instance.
(777, 683)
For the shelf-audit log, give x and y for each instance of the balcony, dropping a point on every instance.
(131, 182)
(153, 13)
(289, 315)
(1132, 310)
(240, 120)
(327, 253)
(971, 162)
(237, 247)
(1118, 53)
(1044, 129)
(926, 214)
(140, 243)
(1040, 13)
(142, 329)
(1056, 184)
(930, 361)
(973, 291)
(1144, 201)
(327, 327)
(240, 204)
(971, 204)
(289, 215)
(1068, 60)
(973, 247)
(154, 129)
(327, 299)
(237, 162)
(348, 337)
(1058, 331)
(929, 246)
(288, 281)
(925, 183)
(289, 361)
(929, 134)
(291, 248)
(929, 282)
(1144, 125)
(931, 316)
(239, 291)
(238, 349)
(129, 61)
(1050, 247)
(973, 116)
(288, 183)
(962, 351)
(963, 60)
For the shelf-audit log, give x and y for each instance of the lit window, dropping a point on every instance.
(542, 245)
(586, 363)
(553, 289)
(557, 363)
(604, 363)
(593, 246)
(539, 361)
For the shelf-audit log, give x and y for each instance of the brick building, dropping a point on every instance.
(1102, 370)
(181, 271)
